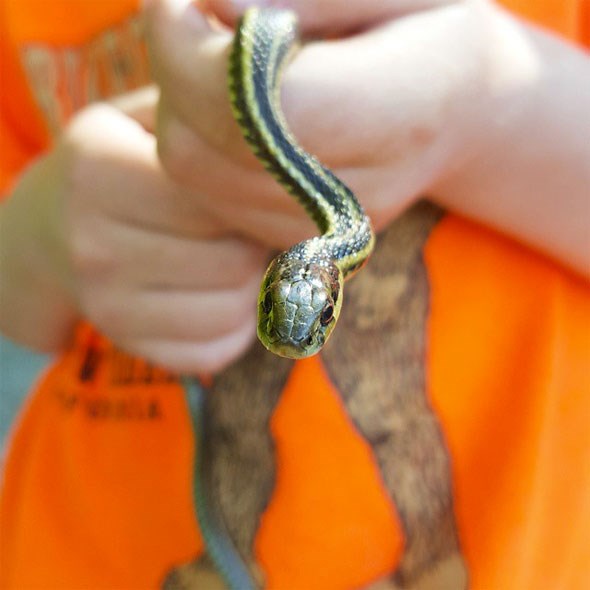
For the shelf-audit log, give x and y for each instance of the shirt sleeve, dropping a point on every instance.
(23, 134)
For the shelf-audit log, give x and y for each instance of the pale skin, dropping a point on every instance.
(150, 217)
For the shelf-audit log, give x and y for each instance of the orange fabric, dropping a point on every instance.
(20, 136)
(65, 22)
(510, 379)
(565, 18)
(329, 523)
(96, 488)
(23, 133)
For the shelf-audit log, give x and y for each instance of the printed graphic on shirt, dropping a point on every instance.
(102, 383)
(110, 406)
(123, 369)
(379, 366)
(66, 79)
(377, 363)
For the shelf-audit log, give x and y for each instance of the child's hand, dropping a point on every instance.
(457, 100)
(97, 230)
(387, 110)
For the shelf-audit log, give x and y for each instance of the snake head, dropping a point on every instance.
(298, 305)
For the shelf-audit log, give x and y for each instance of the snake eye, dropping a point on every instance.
(267, 303)
(309, 341)
(327, 315)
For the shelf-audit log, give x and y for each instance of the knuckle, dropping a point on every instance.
(82, 148)
(176, 149)
(89, 256)
(87, 121)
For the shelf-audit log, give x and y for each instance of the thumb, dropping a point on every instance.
(328, 16)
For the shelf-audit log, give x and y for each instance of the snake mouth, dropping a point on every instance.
(290, 350)
(272, 334)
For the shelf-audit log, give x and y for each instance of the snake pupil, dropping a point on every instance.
(327, 315)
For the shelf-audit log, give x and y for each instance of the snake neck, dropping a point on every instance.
(344, 247)
(262, 47)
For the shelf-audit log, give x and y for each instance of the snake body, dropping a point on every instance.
(301, 294)
(223, 554)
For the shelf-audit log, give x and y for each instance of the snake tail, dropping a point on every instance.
(220, 548)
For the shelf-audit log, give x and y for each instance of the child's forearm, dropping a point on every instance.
(97, 230)
(530, 170)
(35, 308)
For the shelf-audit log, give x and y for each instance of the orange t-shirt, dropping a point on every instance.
(96, 490)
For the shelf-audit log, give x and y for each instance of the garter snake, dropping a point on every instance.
(301, 293)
